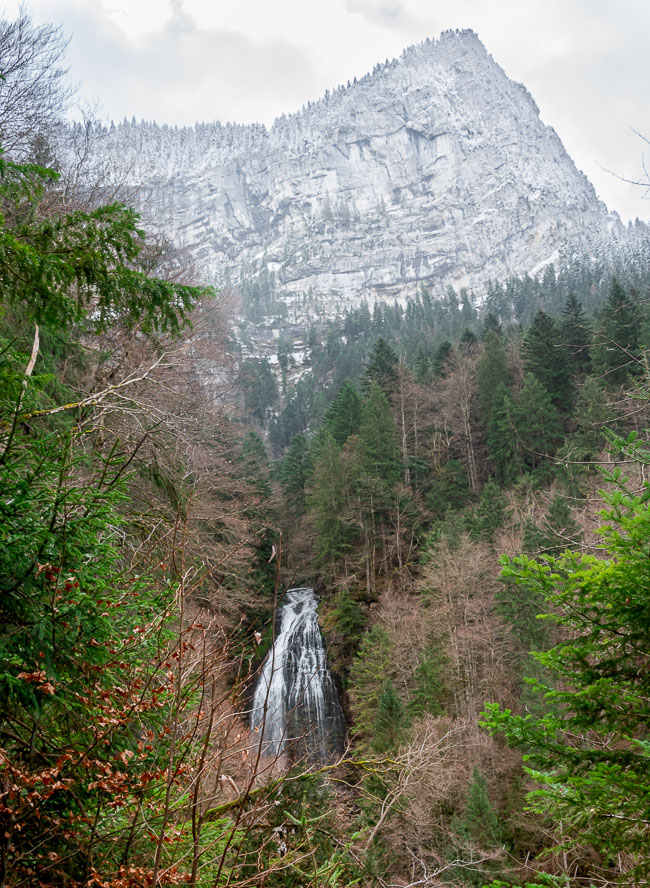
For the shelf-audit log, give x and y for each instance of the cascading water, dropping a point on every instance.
(296, 707)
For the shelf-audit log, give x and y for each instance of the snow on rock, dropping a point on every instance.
(436, 168)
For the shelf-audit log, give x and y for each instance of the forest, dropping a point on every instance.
(462, 477)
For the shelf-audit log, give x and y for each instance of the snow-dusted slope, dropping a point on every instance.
(434, 168)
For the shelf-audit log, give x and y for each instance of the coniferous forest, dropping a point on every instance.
(462, 478)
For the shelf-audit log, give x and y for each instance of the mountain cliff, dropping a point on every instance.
(436, 168)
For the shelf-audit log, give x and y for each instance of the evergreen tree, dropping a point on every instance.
(371, 667)
(480, 823)
(589, 751)
(539, 431)
(378, 442)
(295, 471)
(591, 415)
(502, 435)
(617, 352)
(546, 358)
(491, 322)
(422, 368)
(468, 341)
(344, 415)
(476, 832)
(429, 689)
(327, 500)
(381, 368)
(441, 359)
(576, 335)
(492, 373)
(390, 720)
(491, 514)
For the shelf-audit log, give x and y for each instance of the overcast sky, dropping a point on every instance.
(586, 62)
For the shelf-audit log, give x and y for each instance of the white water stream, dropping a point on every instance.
(296, 707)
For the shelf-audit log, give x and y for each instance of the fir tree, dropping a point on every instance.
(390, 720)
(491, 514)
(492, 373)
(381, 368)
(539, 431)
(502, 435)
(441, 359)
(378, 442)
(589, 751)
(422, 367)
(546, 357)
(327, 499)
(480, 823)
(576, 335)
(344, 415)
(491, 322)
(617, 352)
(294, 473)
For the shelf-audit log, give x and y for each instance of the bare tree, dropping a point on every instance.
(33, 91)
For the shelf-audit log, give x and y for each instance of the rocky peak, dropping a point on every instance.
(434, 169)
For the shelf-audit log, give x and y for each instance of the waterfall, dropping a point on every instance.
(296, 707)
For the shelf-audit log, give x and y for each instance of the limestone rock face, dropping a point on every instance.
(436, 168)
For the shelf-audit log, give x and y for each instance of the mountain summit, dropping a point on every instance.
(436, 168)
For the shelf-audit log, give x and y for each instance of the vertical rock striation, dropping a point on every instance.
(436, 168)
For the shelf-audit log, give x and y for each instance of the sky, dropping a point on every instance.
(586, 63)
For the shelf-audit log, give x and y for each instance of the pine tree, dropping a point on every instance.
(491, 514)
(390, 720)
(492, 372)
(480, 823)
(576, 335)
(617, 352)
(327, 500)
(378, 448)
(441, 359)
(502, 435)
(381, 368)
(546, 357)
(295, 471)
(589, 751)
(344, 415)
(539, 431)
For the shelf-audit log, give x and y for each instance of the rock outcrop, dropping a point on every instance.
(436, 168)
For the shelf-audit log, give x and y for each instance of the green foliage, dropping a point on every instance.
(576, 335)
(295, 472)
(381, 368)
(390, 719)
(260, 388)
(538, 426)
(343, 417)
(377, 447)
(348, 620)
(81, 266)
(327, 499)
(429, 684)
(477, 833)
(441, 359)
(503, 436)
(589, 755)
(491, 513)
(547, 359)
(617, 336)
(449, 489)
(371, 667)
(493, 375)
